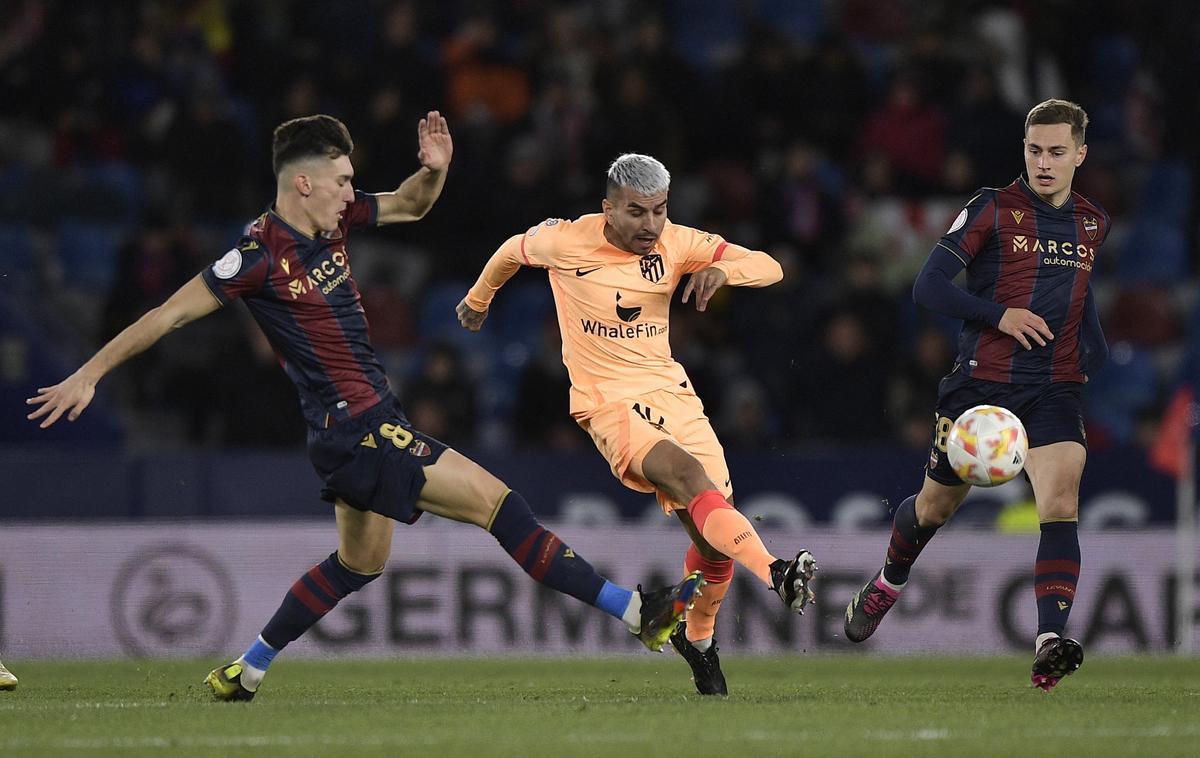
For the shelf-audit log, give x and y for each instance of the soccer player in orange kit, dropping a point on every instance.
(612, 275)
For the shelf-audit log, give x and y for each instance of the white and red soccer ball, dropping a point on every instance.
(987, 446)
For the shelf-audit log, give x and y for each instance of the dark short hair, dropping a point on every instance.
(1060, 112)
(309, 137)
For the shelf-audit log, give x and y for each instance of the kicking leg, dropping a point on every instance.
(460, 489)
(671, 469)
(917, 519)
(1054, 471)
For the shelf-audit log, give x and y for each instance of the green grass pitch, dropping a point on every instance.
(841, 705)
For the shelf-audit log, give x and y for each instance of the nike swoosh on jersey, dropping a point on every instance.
(586, 271)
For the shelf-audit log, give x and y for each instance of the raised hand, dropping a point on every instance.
(704, 283)
(434, 146)
(470, 318)
(71, 396)
(1025, 325)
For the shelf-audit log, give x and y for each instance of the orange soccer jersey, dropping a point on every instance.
(613, 305)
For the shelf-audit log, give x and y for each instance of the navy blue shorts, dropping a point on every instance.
(374, 462)
(1050, 413)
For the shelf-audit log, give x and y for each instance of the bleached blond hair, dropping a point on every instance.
(641, 173)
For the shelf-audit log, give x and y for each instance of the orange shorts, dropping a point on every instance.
(625, 430)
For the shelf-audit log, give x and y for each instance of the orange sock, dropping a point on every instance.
(702, 617)
(730, 532)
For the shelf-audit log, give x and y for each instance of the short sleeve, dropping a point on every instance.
(362, 212)
(241, 272)
(971, 228)
(541, 244)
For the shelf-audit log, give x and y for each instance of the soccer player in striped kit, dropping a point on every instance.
(612, 275)
(1029, 339)
(292, 269)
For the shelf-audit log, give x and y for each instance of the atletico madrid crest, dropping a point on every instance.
(652, 267)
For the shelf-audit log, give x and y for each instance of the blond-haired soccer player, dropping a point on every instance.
(612, 275)
(8, 681)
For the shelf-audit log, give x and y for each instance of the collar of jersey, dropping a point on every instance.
(300, 237)
(1067, 205)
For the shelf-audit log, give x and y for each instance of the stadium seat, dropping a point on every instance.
(1114, 60)
(802, 21)
(701, 38)
(1155, 252)
(1144, 315)
(16, 250)
(1167, 193)
(438, 318)
(88, 254)
(519, 311)
(1118, 394)
(122, 185)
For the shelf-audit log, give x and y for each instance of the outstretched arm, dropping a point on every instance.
(417, 194)
(73, 394)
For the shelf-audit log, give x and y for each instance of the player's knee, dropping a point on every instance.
(708, 552)
(474, 499)
(671, 469)
(935, 511)
(687, 477)
(487, 499)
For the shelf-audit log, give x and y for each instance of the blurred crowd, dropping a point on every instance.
(841, 137)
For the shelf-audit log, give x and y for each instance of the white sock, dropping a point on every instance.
(251, 677)
(633, 613)
(889, 585)
(702, 645)
(1041, 638)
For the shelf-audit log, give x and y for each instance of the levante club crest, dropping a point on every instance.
(1090, 226)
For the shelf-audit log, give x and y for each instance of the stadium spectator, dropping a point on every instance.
(441, 399)
(133, 74)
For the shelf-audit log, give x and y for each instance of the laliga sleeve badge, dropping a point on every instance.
(229, 264)
(958, 222)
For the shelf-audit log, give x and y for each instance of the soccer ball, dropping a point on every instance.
(987, 446)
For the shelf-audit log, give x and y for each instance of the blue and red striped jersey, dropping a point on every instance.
(1022, 252)
(301, 293)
